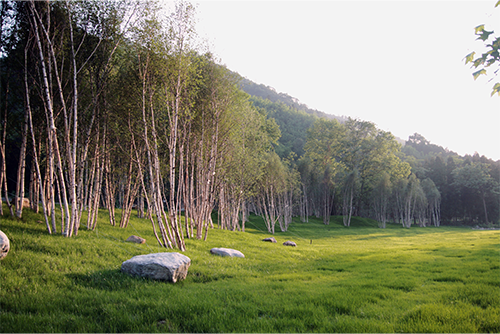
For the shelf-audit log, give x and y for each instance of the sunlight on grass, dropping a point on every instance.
(337, 279)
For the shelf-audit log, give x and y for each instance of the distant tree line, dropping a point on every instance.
(468, 185)
(457, 189)
(105, 104)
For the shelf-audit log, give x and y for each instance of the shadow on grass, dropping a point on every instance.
(108, 280)
(116, 280)
(9, 226)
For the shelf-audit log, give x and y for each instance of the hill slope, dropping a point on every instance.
(269, 93)
(293, 117)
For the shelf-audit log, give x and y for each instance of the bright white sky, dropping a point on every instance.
(399, 64)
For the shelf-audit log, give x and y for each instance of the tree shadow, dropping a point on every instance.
(112, 280)
(106, 280)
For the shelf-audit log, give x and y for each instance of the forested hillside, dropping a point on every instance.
(293, 125)
(106, 105)
(269, 93)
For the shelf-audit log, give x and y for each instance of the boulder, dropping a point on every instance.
(4, 245)
(226, 252)
(271, 239)
(290, 243)
(136, 239)
(171, 267)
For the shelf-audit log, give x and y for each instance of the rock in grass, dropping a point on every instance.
(4, 245)
(226, 252)
(136, 239)
(271, 239)
(171, 267)
(290, 243)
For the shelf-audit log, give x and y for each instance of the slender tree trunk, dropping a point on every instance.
(33, 189)
(21, 170)
(484, 206)
(49, 109)
(92, 182)
(156, 204)
(110, 188)
(50, 182)
(3, 166)
(35, 153)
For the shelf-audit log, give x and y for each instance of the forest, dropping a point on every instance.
(107, 104)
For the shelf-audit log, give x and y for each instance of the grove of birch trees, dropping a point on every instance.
(123, 108)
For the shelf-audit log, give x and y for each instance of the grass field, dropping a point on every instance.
(337, 279)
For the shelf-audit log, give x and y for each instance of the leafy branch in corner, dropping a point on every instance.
(491, 57)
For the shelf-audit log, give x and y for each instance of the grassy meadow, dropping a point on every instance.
(337, 279)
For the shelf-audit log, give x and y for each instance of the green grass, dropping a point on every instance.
(337, 279)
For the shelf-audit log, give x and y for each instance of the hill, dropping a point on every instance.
(269, 93)
(293, 117)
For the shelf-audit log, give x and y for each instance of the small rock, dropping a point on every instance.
(171, 267)
(26, 203)
(290, 243)
(271, 239)
(226, 252)
(4, 245)
(136, 239)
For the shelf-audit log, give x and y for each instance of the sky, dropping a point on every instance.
(399, 64)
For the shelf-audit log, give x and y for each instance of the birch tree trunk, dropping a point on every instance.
(40, 187)
(21, 170)
(156, 203)
(52, 134)
(3, 167)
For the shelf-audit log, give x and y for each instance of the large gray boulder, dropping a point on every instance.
(171, 267)
(4, 245)
(226, 252)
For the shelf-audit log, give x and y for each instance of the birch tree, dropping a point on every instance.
(433, 200)
(242, 161)
(380, 197)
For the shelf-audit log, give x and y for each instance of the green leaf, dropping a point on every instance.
(484, 35)
(490, 62)
(479, 61)
(497, 4)
(495, 44)
(470, 57)
(496, 88)
(478, 73)
(479, 29)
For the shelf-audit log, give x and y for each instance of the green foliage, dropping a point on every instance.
(357, 279)
(292, 123)
(488, 58)
(351, 158)
(461, 199)
(475, 176)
